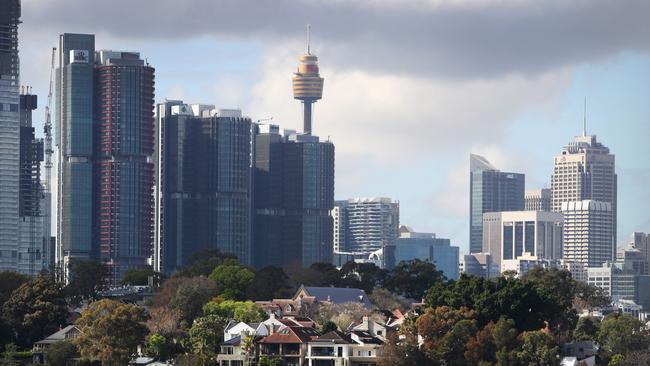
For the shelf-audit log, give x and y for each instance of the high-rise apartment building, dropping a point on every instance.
(588, 236)
(294, 194)
(363, 225)
(204, 178)
(585, 170)
(123, 170)
(9, 133)
(491, 191)
(538, 199)
(510, 235)
(105, 131)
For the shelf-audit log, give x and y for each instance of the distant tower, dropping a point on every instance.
(307, 84)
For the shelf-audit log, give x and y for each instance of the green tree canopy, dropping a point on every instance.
(85, 280)
(203, 262)
(621, 334)
(586, 329)
(232, 280)
(270, 283)
(243, 311)
(36, 309)
(110, 331)
(57, 354)
(413, 278)
(189, 299)
(205, 336)
(365, 276)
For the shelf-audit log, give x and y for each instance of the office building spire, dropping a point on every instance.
(307, 83)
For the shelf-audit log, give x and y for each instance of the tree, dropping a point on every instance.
(170, 287)
(445, 331)
(206, 335)
(203, 262)
(158, 347)
(243, 311)
(9, 355)
(10, 281)
(386, 300)
(189, 300)
(413, 278)
(586, 329)
(403, 352)
(317, 274)
(538, 349)
(164, 321)
(556, 287)
(342, 314)
(140, 277)
(86, 279)
(57, 354)
(621, 334)
(36, 309)
(269, 361)
(365, 276)
(232, 280)
(269, 283)
(110, 331)
(328, 326)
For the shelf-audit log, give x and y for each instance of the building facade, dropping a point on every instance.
(426, 247)
(123, 170)
(512, 234)
(491, 191)
(9, 133)
(585, 170)
(588, 236)
(364, 225)
(294, 195)
(480, 265)
(203, 183)
(104, 132)
(538, 199)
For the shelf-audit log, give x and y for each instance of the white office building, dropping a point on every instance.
(588, 236)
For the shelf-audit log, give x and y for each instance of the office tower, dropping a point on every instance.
(513, 234)
(105, 128)
(491, 191)
(479, 265)
(340, 225)
(294, 194)
(366, 224)
(33, 248)
(307, 86)
(74, 138)
(641, 241)
(9, 133)
(123, 171)
(204, 183)
(537, 199)
(426, 247)
(585, 170)
(588, 232)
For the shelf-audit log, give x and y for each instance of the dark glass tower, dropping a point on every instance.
(9, 133)
(204, 183)
(74, 137)
(294, 194)
(491, 191)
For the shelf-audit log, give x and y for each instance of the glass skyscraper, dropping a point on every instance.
(294, 194)
(491, 191)
(9, 133)
(203, 183)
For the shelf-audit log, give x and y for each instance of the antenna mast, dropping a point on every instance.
(309, 39)
(584, 119)
(47, 129)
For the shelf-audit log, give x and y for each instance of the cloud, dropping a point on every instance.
(442, 39)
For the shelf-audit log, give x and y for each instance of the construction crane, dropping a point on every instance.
(47, 129)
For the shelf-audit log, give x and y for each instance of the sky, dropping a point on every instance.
(411, 87)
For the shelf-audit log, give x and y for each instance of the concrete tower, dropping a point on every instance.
(307, 85)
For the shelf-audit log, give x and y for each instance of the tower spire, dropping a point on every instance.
(584, 119)
(309, 39)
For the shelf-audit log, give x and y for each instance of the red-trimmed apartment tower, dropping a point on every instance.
(123, 170)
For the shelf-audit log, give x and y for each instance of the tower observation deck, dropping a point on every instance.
(307, 85)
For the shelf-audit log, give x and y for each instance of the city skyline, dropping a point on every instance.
(423, 170)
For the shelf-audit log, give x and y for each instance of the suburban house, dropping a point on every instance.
(290, 344)
(336, 348)
(308, 295)
(38, 349)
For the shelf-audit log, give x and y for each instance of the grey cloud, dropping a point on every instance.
(447, 40)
